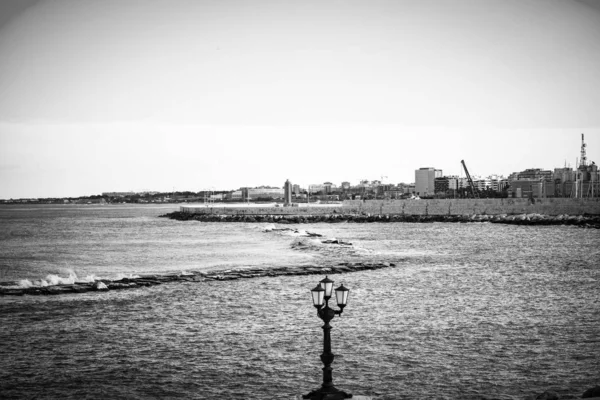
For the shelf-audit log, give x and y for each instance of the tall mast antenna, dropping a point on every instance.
(583, 161)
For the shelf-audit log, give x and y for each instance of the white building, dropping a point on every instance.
(272, 193)
(492, 182)
(324, 188)
(453, 182)
(424, 180)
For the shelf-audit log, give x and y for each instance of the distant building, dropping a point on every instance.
(564, 175)
(263, 193)
(525, 188)
(88, 200)
(406, 188)
(393, 192)
(425, 180)
(287, 193)
(588, 172)
(532, 182)
(494, 183)
(462, 183)
(446, 186)
(531, 174)
(118, 194)
(324, 188)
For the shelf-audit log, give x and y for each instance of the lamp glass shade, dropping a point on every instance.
(341, 296)
(327, 284)
(318, 294)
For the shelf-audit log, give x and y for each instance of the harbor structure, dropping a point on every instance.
(287, 193)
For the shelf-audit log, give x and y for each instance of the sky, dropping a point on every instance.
(118, 95)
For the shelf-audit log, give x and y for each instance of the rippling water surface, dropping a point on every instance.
(470, 311)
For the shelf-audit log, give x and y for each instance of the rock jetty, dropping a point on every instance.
(225, 275)
(586, 221)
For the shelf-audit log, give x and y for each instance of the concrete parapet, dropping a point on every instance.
(262, 210)
(547, 206)
(441, 207)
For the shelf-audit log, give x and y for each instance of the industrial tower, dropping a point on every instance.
(583, 161)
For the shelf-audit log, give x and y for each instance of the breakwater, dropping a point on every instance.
(216, 275)
(438, 207)
(521, 219)
(578, 212)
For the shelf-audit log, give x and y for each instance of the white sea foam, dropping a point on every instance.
(285, 231)
(57, 280)
(297, 232)
(122, 276)
(53, 279)
(88, 279)
(269, 228)
(100, 286)
(24, 283)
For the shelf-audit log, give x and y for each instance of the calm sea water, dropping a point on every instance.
(470, 311)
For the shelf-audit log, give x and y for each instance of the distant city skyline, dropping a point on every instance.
(164, 164)
(188, 95)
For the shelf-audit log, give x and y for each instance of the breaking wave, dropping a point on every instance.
(315, 242)
(327, 246)
(53, 280)
(287, 231)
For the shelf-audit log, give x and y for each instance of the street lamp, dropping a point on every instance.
(320, 297)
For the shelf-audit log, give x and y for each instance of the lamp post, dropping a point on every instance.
(320, 297)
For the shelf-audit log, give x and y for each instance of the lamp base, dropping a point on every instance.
(333, 395)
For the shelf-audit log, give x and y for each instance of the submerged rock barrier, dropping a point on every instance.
(588, 221)
(224, 275)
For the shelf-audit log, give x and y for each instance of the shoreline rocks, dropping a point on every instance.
(586, 221)
(105, 285)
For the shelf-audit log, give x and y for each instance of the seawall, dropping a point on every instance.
(581, 212)
(438, 207)
(509, 206)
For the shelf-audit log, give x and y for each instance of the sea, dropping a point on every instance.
(466, 311)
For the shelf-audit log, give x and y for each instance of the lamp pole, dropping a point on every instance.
(320, 296)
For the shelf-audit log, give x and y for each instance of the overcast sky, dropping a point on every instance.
(115, 95)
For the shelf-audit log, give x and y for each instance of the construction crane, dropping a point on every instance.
(474, 191)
